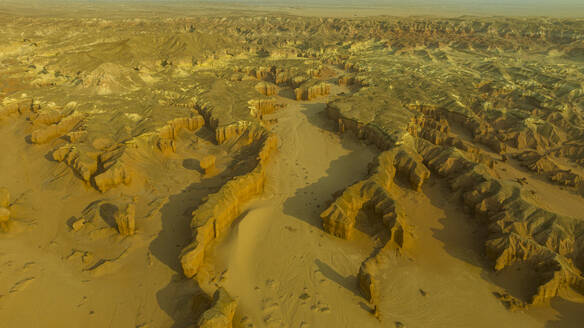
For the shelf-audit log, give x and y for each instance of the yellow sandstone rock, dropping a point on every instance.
(220, 315)
(208, 164)
(5, 222)
(214, 217)
(125, 220)
(53, 131)
(4, 197)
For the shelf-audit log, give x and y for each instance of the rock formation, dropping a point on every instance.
(208, 164)
(366, 281)
(103, 170)
(46, 134)
(168, 133)
(312, 90)
(84, 164)
(113, 171)
(48, 117)
(5, 223)
(519, 232)
(126, 220)
(4, 197)
(437, 131)
(220, 315)
(545, 165)
(339, 218)
(214, 217)
(373, 194)
(369, 132)
(267, 88)
(261, 107)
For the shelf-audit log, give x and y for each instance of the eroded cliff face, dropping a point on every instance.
(168, 133)
(5, 222)
(312, 90)
(126, 219)
(374, 196)
(368, 132)
(221, 313)
(52, 131)
(214, 217)
(519, 231)
(547, 166)
(267, 88)
(261, 107)
(339, 218)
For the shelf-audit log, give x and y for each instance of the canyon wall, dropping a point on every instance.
(214, 217)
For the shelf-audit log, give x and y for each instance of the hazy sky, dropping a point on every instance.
(476, 7)
(557, 8)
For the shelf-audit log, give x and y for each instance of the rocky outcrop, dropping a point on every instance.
(437, 131)
(231, 131)
(373, 196)
(482, 131)
(340, 217)
(214, 217)
(84, 164)
(4, 197)
(115, 173)
(112, 170)
(546, 166)
(366, 281)
(241, 129)
(168, 133)
(409, 165)
(24, 106)
(353, 80)
(369, 132)
(346, 80)
(208, 164)
(103, 170)
(267, 88)
(220, 315)
(262, 73)
(126, 220)
(46, 134)
(519, 231)
(261, 107)
(310, 91)
(48, 117)
(5, 222)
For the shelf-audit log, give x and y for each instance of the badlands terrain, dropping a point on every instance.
(240, 168)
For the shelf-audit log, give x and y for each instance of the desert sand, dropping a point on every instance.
(227, 165)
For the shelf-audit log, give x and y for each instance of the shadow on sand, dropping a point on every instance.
(570, 314)
(308, 202)
(464, 238)
(176, 298)
(349, 282)
(176, 233)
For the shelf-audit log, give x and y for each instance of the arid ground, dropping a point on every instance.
(233, 166)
